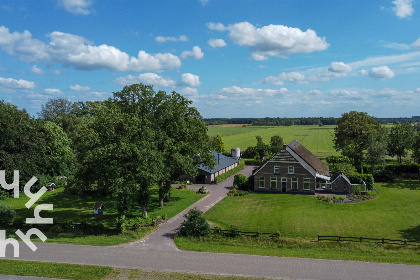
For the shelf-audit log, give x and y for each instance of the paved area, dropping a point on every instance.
(158, 252)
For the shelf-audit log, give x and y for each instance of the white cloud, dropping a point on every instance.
(77, 7)
(52, 91)
(216, 26)
(250, 93)
(191, 80)
(162, 39)
(272, 40)
(339, 67)
(403, 8)
(78, 87)
(380, 73)
(217, 43)
(9, 85)
(203, 2)
(195, 53)
(416, 44)
(148, 79)
(292, 77)
(190, 93)
(78, 52)
(37, 70)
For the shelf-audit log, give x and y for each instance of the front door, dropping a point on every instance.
(283, 184)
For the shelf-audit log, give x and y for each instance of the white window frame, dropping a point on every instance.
(294, 180)
(273, 179)
(276, 169)
(261, 179)
(306, 182)
(290, 169)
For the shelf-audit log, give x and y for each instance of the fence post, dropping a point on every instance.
(383, 240)
(405, 242)
(318, 237)
(339, 238)
(361, 238)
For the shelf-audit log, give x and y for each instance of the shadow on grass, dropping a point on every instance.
(412, 234)
(403, 184)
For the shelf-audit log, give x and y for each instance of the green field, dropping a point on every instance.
(394, 214)
(319, 140)
(77, 209)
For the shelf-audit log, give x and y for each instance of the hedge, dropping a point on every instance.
(360, 178)
(229, 173)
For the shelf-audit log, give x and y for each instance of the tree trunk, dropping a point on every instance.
(143, 211)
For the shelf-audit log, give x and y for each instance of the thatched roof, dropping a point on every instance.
(305, 155)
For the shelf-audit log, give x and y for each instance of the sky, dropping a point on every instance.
(232, 59)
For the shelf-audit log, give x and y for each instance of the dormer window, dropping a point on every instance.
(291, 170)
(276, 169)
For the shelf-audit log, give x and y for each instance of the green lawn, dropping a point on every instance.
(394, 214)
(319, 140)
(78, 209)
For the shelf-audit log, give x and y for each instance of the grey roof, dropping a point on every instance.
(338, 175)
(222, 162)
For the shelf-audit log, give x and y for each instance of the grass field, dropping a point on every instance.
(393, 214)
(319, 140)
(78, 209)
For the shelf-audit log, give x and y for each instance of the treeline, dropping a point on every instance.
(300, 121)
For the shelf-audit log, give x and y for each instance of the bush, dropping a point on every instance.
(239, 180)
(195, 225)
(407, 171)
(253, 162)
(360, 178)
(384, 176)
(236, 192)
(7, 214)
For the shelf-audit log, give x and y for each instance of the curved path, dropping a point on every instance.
(158, 252)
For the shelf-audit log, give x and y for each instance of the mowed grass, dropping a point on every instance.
(394, 214)
(319, 140)
(77, 209)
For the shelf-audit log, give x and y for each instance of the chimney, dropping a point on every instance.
(284, 146)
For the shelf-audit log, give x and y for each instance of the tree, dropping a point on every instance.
(261, 147)
(416, 148)
(58, 157)
(352, 135)
(21, 143)
(216, 144)
(401, 138)
(194, 225)
(55, 108)
(181, 137)
(376, 148)
(276, 143)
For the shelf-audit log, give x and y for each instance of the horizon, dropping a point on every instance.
(285, 59)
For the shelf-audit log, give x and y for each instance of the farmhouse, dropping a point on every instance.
(295, 169)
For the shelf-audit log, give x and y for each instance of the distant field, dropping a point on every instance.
(319, 140)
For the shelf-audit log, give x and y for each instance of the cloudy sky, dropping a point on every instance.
(285, 58)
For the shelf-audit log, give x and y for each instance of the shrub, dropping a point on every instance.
(7, 214)
(384, 175)
(360, 178)
(239, 180)
(236, 192)
(202, 190)
(234, 231)
(195, 225)
(253, 162)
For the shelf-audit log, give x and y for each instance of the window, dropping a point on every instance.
(306, 183)
(261, 183)
(291, 170)
(276, 169)
(294, 183)
(273, 182)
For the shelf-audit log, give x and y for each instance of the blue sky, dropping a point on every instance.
(231, 58)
